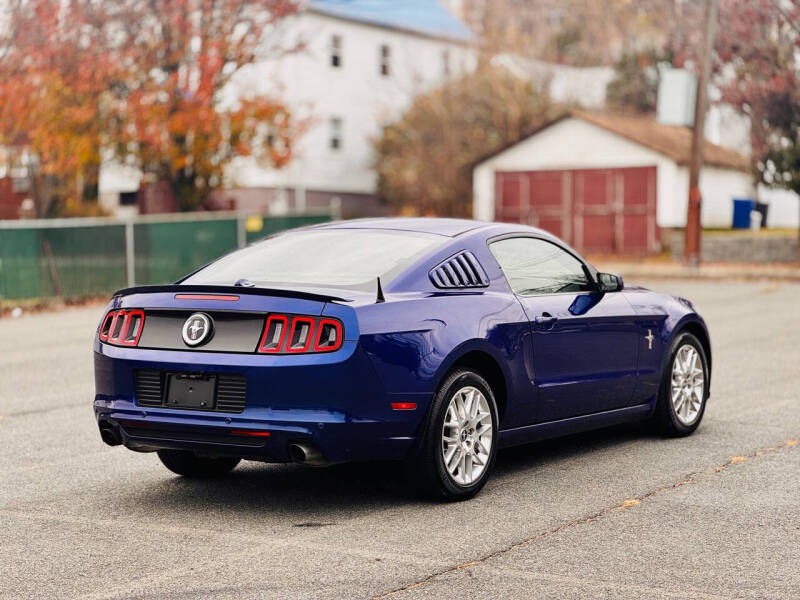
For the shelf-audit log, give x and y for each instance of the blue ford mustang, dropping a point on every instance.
(428, 341)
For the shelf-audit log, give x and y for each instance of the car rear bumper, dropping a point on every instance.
(336, 405)
(336, 441)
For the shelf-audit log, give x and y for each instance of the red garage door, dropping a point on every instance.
(595, 210)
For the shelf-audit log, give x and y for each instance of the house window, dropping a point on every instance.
(385, 60)
(336, 51)
(446, 63)
(336, 133)
(128, 198)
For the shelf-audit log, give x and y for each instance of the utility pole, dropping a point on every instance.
(691, 246)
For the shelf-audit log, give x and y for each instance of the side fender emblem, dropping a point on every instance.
(649, 337)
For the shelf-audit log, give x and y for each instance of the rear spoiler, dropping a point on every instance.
(230, 289)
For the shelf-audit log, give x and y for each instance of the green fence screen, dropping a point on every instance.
(88, 258)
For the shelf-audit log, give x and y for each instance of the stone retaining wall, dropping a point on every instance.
(742, 247)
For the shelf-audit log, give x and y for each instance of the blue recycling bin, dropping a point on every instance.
(742, 207)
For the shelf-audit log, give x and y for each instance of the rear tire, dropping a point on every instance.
(188, 464)
(458, 446)
(684, 388)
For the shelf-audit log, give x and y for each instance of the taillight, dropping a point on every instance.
(300, 334)
(329, 335)
(274, 334)
(105, 328)
(122, 327)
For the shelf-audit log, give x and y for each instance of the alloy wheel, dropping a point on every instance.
(687, 385)
(467, 436)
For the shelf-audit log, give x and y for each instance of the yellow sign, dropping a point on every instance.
(253, 224)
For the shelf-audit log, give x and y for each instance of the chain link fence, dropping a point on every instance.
(76, 258)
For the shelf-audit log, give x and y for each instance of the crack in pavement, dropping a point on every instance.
(595, 516)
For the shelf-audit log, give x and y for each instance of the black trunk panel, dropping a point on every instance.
(232, 331)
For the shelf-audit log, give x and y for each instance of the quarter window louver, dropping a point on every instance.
(460, 271)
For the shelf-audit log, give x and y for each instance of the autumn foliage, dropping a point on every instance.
(424, 159)
(142, 82)
(759, 42)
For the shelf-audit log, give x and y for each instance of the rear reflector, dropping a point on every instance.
(224, 298)
(404, 405)
(250, 433)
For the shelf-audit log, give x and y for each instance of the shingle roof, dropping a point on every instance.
(426, 17)
(670, 140)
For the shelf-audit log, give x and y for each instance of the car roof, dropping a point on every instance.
(444, 227)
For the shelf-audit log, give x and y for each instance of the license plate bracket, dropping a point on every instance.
(191, 390)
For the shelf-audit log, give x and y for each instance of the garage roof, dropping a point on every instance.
(672, 141)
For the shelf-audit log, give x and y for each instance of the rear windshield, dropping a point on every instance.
(346, 258)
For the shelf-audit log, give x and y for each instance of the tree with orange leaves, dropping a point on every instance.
(183, 54)
(52, 77)
(140, 81)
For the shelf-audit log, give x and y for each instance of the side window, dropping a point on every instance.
(534, 266)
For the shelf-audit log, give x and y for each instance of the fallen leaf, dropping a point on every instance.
(629, 503)
(791, 443)
(738, 459)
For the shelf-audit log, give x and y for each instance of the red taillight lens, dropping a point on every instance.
(274, 334)
(105, 328)
(122, 327)
(299, 334)
(134, 323)
(329, 336)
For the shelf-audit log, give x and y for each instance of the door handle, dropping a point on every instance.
(545, 323)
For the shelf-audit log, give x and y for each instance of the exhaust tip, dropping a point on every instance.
(109, 435)
(306, 454)
(296, 453)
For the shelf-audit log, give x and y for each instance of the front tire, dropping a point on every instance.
(188, 464)
(684, 388)
(459, 445)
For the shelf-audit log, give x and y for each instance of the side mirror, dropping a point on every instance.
(607, 282)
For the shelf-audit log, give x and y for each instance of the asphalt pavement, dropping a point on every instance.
(618, 513)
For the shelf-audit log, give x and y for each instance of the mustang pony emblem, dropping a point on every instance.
(197, 329)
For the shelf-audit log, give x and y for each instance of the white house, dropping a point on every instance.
(359, 66)
(609, 183)
(565, 84)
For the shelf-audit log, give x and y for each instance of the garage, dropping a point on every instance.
(595, 210)
(606, 183)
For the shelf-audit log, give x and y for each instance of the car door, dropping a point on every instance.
(584, 341)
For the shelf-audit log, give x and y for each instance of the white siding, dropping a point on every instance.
(356, 92)
(718, 188)
(784, 207)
